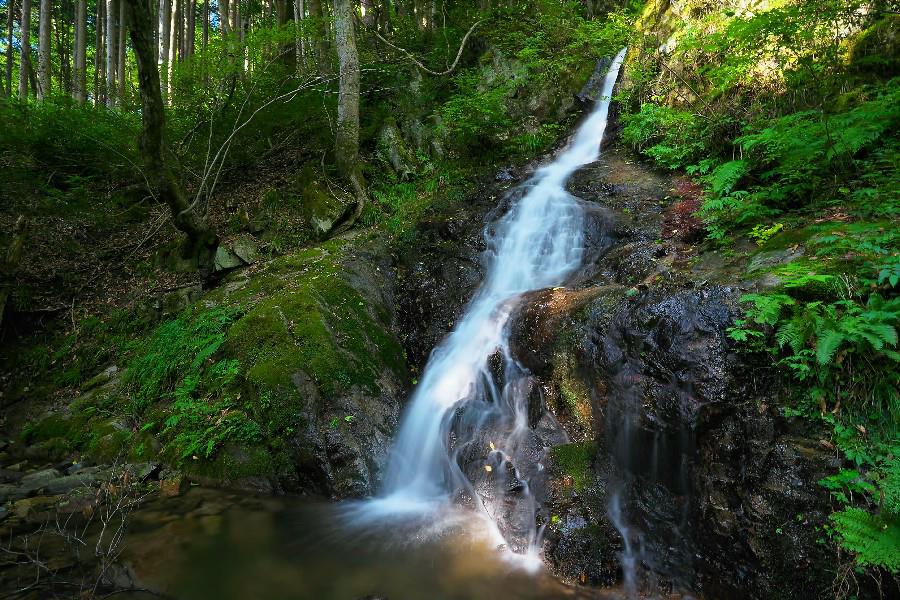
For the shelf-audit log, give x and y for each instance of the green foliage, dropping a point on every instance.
(762, 233)
(844, 348)
(179, 367)
(56, 152)
(670, 137)
(874, 540)
(868, 523)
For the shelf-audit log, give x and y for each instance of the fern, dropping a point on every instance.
(724, 177)
(827, 344)
(874, 539)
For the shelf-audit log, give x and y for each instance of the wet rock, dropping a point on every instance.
(4, 512)
(37, 479)
(438, 275)
(47, 451)
(9, 476)
(505, 175)
(11, 492)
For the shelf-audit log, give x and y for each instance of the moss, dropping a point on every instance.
(877, 48)
(236, 463)
(576, 461)
(110, 446)
(50, 427)
(317, 323)
(574, 392)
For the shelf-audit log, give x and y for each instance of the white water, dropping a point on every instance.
(537, 244)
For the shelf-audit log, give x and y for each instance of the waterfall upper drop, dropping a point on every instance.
(459, 414)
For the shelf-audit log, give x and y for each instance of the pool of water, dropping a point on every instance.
(214, 544)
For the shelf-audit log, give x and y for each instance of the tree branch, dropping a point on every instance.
(462, 46)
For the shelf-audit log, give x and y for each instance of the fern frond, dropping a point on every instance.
(827, 344)
(875, 541)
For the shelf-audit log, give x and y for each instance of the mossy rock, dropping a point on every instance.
(306, 340)
(576, 461)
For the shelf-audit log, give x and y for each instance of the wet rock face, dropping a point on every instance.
(718, 497)
(667, 355)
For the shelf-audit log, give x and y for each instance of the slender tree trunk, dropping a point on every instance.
(111, 52)
(172, 31)
(25, 43)
(346, 143)
(44, 20)
(191, 28)
(165, 8)
(10, 22)
(122, 51)
(98, 53)
(367, 9)
(79, 91)
(299, 45)
(201, 240)
(64, 47)
(205, 40)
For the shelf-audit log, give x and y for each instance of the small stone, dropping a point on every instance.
(35, 509)
(245, 249)
(40, 477)
(226, 259)
(175, 486)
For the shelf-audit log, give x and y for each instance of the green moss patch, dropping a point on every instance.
(576, 461)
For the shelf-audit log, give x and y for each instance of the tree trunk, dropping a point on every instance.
(64, 47)
(367, 8)
(190, 28)
(122, 49)
(174, 43)
(346, 143)
(44, 22)
(79, 91)
(25, 44)
(10, 21)
(165, 16)
(299, 46)
(201, 240)
(111, 52)
(224, 16)
(205, 40)
(98, 53)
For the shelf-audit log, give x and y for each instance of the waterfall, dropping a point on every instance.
(465, 437)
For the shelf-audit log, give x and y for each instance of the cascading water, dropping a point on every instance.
(466, 436)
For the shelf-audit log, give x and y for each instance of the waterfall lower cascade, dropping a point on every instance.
(466, 438)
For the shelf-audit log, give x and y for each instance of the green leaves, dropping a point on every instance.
(670, 137)
(874, 539)
(178, 363)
